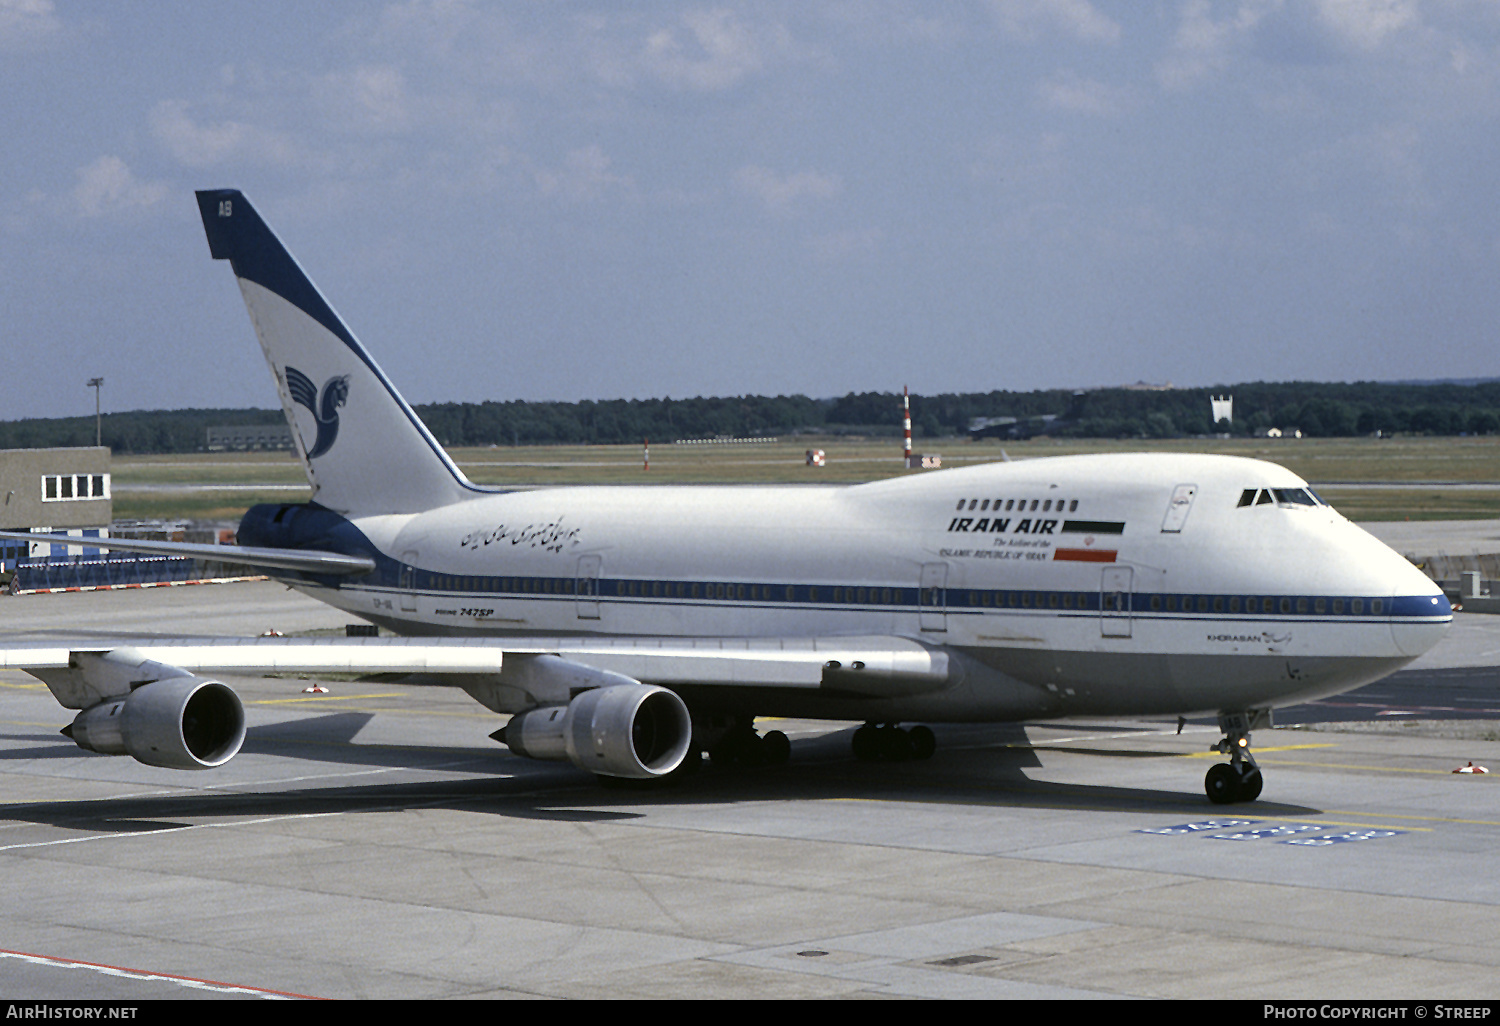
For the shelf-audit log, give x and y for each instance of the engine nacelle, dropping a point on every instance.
(184, 722)
(637, 731)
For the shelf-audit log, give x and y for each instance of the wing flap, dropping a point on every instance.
(875, 666)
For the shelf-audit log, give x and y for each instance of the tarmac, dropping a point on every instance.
(372, 842)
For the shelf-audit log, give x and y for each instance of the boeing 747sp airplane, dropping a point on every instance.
(629, 629)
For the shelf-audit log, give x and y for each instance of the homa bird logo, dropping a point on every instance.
(324, 408)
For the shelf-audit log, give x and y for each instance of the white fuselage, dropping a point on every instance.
(1132, 584)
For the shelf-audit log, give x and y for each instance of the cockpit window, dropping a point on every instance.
(1280, 496)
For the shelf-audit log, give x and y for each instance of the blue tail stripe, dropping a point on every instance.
(237, 234)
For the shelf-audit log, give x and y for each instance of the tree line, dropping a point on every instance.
(1317, 409)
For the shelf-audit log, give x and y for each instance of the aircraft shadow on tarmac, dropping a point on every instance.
(978, 766)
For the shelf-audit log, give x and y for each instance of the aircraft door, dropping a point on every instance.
(408, 583)
(588, 587)
(1179, 508)
(1114, 602)
(933, 597)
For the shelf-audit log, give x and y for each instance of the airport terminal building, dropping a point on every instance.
(61, 490)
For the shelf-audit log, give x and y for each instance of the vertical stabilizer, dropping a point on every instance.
(364, 448)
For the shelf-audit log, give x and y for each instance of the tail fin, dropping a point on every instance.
(365, 449)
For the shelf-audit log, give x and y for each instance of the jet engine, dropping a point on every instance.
(639, 731)
(182, 722)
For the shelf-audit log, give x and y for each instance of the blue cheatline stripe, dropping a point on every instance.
(1175, 606)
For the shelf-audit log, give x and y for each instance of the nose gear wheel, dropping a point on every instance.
(1238, 780)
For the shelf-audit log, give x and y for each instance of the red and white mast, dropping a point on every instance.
(906, 424)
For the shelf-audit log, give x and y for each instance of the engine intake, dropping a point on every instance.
(638, 731)
(184, 722)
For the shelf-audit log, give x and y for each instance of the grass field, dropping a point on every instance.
(1365, 478)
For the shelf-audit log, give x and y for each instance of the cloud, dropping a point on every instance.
(585, 176)
(716, 52)
(1028, 19)
(108, 186)
(370, 97)
(837, 246)
(779, 192)
(1365, 24)
(1066, 91)
(1202, 46)
(201, 146)
(27, 21)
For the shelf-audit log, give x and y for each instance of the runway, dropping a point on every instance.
(372, 842)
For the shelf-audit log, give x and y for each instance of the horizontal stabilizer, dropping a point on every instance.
(305, 560)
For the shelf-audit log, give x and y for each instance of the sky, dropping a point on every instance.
(597, 200)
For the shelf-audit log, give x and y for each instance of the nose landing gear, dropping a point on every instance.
(1238, 780)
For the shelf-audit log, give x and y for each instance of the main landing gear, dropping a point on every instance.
(890, 743)
(741, 745)
(1238, 780)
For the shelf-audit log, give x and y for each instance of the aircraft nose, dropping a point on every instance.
(1422, 625)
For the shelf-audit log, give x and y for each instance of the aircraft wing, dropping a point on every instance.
(546, 668)
(306, 560)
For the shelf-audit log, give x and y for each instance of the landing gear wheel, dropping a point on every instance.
(889, 743)
(1238, 780)
(866, 743)
(1250, 784)
(743, 746)
(777, 748)
(1222, 784)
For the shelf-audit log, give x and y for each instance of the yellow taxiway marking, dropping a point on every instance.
(1426, 819)
(1212, 754)
(1330, 823)
(1378, 769)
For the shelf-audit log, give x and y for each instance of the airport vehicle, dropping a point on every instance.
(629, 629)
